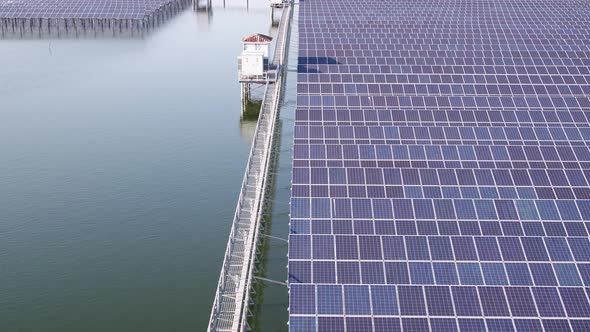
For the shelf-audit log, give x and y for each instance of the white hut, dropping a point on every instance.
(253, 61)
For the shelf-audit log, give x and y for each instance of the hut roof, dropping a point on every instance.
(257, 38)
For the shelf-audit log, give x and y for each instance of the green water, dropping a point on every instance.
(120, 161)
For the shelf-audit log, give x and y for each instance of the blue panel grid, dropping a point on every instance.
(441, 166)
(80, 9)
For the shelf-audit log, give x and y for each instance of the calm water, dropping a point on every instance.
(120, 161)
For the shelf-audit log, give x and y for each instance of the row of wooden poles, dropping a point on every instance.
(32, 26)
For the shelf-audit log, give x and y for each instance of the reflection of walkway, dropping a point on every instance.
(204, 13)
(68, 18)
(232, 298)
(247, 130)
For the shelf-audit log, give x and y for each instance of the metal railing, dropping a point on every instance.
(232, 297)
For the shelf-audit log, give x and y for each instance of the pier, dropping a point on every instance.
(231, 307)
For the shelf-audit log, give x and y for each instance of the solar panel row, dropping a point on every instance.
(441, 166)
(117, 9)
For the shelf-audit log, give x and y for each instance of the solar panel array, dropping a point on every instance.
(80, 9)
(441, 166)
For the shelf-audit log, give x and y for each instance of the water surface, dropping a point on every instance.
(120, 161)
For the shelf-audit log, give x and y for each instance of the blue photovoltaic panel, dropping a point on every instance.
(441, 166)
(81, 9)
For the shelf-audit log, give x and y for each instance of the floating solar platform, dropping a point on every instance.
(22, 17)
(441, 166)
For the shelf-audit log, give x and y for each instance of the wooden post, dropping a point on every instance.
(245, 95)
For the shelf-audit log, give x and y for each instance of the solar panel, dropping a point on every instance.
(441, 166)
(70, 9)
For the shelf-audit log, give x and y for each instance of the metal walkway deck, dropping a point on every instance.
(230, 308)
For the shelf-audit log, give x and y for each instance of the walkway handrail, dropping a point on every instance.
(285, 21)
(229, 246)
(268, 147)
(262, 141)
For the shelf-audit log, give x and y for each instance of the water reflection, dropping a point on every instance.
(247, 130)
(275, 17)
(120, 164)
(204, 13)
